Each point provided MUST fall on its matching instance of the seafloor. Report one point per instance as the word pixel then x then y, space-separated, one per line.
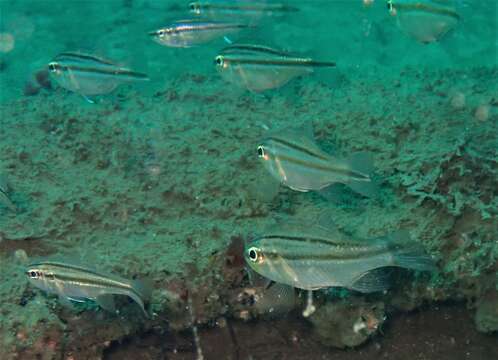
pixel 163 181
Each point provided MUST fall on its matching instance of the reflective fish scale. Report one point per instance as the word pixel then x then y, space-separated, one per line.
pixel 314 257
pixel 78 283
pixel 89 75
pixel 293 158
pixel 259 68
pixel 188 33
pixel 425 20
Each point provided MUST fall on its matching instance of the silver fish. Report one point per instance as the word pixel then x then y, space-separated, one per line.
pixel 259 68
pixel 79 283
pixel 188 33
pixel 240 8
pixel 89 75
pixel 425 20
pixel 293 158
pixel 314 257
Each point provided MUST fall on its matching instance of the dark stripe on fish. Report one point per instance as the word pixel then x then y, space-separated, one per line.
pixel 100 282
pixel 297 147
pixel 297 62
pixel 113 72
pixel 180 27
pixel 303 239
pixel 83 57
pixel 275 255
pixel 253 48
pixel 428 8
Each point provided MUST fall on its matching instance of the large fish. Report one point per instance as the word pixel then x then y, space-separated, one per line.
pixel 188 33
pixel 314 257
pixel 89 75
pixel 259 68
pixel 293 158
pixel 425 20
pixel 74 282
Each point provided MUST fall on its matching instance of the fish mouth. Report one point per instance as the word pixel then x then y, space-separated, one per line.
pixel 153 33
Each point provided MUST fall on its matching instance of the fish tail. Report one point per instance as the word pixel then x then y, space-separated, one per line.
pixel 362 163
pixel 144 287
pixel 409 254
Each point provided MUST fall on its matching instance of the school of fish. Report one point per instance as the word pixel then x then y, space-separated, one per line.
pixel 301 255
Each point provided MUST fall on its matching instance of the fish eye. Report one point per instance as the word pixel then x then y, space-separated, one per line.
pixel 261 152
pixel 253 254
pixel 161 33
pixel 52 67
pixel 219 60
pixel 33 274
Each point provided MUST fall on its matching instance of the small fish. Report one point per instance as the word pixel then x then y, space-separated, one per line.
pixel 4 196
pixel 78 283
pixel 89 75
pixel 240 8
pixel 295 160
pixel 314 257
pixel 425 20
pixel 259 68
pixel 188 33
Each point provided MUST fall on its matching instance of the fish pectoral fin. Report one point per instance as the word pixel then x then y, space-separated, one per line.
pixel 66 302
pixel 373 280
pixel 106 302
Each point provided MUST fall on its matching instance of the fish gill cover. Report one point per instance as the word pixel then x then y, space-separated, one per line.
pixel 264 167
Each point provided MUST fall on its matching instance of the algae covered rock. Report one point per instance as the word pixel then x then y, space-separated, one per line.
pixel 347 323
pixel 486 317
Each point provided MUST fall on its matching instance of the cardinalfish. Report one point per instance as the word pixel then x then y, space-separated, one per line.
pixel 79 283
pixel 319 256
pixel 425 20
pixel 293 158
pixel 239 8
pixel 259 68
pixel 188 33
pixel 89 75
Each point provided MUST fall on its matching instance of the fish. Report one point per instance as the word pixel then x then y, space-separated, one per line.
pixel 426 21
pixel 293 158
pixel 315 256
pixel 240 8
pixel 78 283
pixel 188 33
pixel 89 75
pixel 259 68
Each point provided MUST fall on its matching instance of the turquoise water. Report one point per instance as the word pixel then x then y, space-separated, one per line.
pixel 161 180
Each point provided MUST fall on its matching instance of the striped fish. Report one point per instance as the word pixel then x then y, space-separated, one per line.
pixel 89 75
pixel 425 20
pixel 240 8
pixel 293 158
pixel 258 68
pixel 79 283
pixel 314 257
pixel 188 33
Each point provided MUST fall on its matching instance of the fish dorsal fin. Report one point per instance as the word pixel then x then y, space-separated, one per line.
pixel 301 137
pixel 310 229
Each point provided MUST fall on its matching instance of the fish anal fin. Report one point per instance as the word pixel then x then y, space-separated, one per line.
pixel 372 281
pixel 106 302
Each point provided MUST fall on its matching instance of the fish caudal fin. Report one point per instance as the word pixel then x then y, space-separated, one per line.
pixel 362 163
pixel 144 287
pixel 410 255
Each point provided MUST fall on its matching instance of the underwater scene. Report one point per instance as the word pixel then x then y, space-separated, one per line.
pixel 248 179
